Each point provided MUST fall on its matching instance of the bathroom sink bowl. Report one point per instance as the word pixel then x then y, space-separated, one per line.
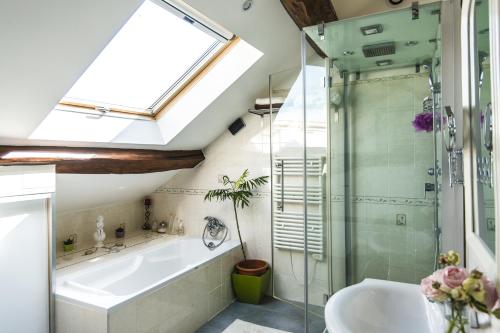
pixel 378 306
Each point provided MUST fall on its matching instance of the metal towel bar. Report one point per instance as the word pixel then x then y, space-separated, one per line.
pixel 289 223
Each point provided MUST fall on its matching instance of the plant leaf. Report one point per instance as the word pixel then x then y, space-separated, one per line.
pixel 218 194
pixel 240 190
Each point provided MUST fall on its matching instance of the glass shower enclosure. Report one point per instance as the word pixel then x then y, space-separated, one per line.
pixel 356 149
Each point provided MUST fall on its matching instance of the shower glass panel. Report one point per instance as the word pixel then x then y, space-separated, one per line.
pixel 287 151
pixel 383 145
pixel 316 183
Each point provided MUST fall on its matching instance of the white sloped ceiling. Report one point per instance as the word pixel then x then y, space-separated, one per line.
pixel 47 45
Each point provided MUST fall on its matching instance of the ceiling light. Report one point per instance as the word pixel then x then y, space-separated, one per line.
pixel 40 154
pixel 371 29
pixel 386 62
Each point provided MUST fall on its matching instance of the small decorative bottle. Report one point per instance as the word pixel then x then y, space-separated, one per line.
pixel 99 234
pixel 180 228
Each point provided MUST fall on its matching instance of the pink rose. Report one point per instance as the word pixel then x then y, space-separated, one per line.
pixel 491 295
pixel 454 276
pixel 428 287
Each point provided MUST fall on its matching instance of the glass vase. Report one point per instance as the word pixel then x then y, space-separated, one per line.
pixel 457 317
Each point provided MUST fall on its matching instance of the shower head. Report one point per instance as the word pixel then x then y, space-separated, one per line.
pixel 482 56
pixel 427 64
pixel 380 49
pixel 335 98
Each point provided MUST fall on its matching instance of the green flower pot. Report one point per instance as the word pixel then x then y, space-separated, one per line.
pixel 69 247
pixel 249 288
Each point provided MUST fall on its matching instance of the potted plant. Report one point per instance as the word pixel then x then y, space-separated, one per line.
pixel 251 276
pixel 69 243
pixel 120 231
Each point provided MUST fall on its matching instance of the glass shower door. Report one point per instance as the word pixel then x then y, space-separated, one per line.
pixel 287 152
pixel 383 147
pixel 316 182
pixel 300 183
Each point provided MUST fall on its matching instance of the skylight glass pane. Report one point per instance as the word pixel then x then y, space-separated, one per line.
pixel 152 51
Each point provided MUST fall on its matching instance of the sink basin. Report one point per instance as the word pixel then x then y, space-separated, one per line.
pixel 379 306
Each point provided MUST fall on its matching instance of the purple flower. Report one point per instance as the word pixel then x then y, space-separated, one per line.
pixel 423 122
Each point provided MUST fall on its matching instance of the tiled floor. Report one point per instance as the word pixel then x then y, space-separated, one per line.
pixel 271 313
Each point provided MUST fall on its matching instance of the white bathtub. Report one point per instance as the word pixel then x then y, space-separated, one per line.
pixel 108 281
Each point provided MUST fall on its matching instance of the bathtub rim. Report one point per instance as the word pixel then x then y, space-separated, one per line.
pixel 119 301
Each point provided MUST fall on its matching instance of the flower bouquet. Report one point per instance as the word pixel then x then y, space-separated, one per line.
pixel 460 290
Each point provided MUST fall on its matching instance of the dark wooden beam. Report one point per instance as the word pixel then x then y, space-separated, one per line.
pixel 104 160
pixel 310 12
pixel 306 13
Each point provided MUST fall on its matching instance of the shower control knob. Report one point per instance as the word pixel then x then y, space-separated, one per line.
pixel 430 171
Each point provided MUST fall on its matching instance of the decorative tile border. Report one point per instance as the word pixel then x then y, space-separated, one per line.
pixel 386 200
pixel 382 79
pixel 198 191
pixel 335 198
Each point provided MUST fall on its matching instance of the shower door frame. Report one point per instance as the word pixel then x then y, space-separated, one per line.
pixel 304 157
pixel 477 253
pixel 450 200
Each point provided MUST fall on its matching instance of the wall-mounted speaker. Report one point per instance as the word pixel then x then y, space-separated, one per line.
pixel 236 126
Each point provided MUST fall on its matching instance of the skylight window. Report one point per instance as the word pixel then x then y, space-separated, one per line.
pixel 151 58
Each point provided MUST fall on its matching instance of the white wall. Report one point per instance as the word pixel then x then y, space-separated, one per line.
pixel 81 192
pixel 228 155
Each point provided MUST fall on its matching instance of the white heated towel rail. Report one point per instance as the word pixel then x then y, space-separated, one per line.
pixel 288 211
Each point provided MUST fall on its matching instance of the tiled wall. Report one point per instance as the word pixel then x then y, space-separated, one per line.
pixel 181 306
pixel 82 223
pixel 228 155
pixel 389 171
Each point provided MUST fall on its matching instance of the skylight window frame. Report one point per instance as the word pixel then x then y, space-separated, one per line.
pixel 224 41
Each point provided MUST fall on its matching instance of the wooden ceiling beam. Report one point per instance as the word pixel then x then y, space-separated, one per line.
pixel 79 160
pixel 310 12
pixel 306 13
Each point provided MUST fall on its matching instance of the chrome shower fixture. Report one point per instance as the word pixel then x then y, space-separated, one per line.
pixel 428 104
pixel 427 64
pixel 482 58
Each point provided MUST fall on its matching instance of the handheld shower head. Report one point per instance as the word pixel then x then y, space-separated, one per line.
pixel 427 64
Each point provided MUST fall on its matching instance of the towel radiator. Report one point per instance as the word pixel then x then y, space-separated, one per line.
pixel 288 206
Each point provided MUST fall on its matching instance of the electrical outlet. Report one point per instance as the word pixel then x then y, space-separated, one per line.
pixel 400 219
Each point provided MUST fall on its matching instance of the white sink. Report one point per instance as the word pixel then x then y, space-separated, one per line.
pixel 378 306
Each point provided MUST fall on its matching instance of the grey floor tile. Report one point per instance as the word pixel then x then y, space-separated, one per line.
pixel 271 313
pixel 209 328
